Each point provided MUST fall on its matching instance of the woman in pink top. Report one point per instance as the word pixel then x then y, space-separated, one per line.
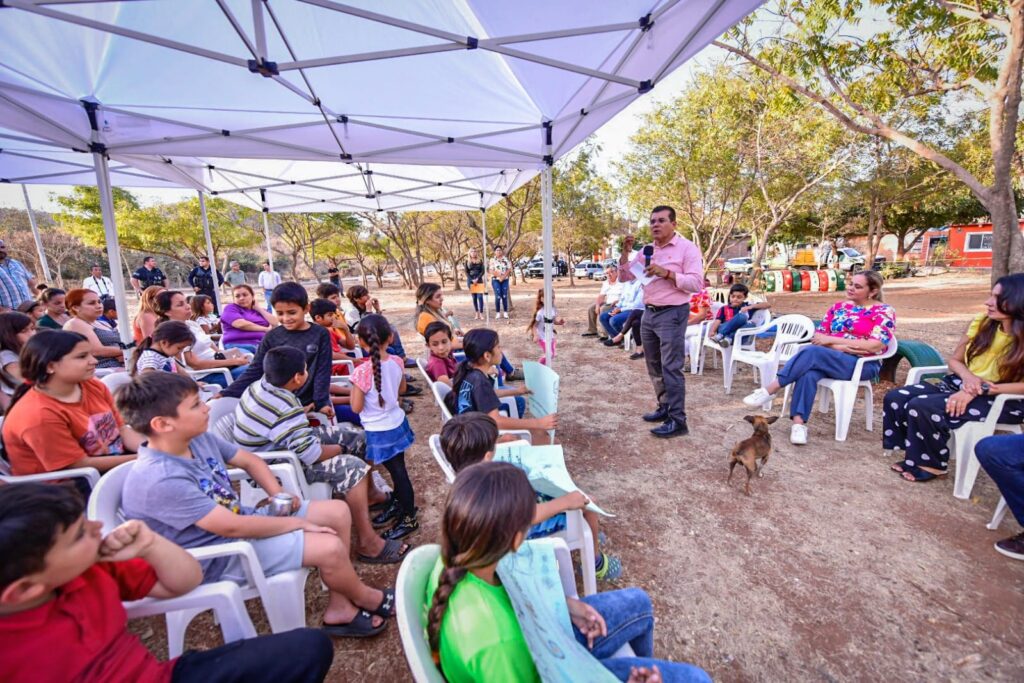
pixel 860 326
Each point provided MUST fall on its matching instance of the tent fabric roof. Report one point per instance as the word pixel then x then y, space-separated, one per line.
pixel 463 84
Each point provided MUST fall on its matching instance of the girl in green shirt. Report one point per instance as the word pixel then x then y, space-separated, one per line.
pixel 471 625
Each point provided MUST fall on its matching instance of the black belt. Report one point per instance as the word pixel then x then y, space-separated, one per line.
pixel 658 309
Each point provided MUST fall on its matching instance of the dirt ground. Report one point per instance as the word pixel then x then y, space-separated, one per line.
pixel 834 569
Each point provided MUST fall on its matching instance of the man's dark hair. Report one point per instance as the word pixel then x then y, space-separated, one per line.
pixel 738 287
pixel 290 293
pixel 148 259
pixel 435 327
pixel 326 289
pixel 663 207
pixel 153 394
pixel 282 363
pixel 31 516
pixel 466 439
pixel 321 307
pixel 204 258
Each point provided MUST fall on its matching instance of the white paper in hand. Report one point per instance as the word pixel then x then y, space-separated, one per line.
pixel 637 269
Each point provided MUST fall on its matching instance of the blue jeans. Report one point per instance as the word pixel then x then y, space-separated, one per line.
pixel 396 347
pixel 818 362
pixel 218 378
pixel 500 294
pixel 248 348
pixel 612 324
pixel 629 616
pixel 267 293
pixel 478 299
pixel 729 327
pixel 1003 458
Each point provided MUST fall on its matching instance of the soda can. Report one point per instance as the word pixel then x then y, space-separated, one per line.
pixel 281 505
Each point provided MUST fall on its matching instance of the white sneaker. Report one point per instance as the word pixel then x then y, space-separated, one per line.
pixel 759 399
pixel 798 435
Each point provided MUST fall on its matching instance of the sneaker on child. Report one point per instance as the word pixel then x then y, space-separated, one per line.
pixel 1012 547
pixel 798 435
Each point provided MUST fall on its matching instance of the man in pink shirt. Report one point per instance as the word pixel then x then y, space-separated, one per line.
pixel 677 269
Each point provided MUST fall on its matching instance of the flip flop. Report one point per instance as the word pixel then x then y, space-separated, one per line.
pixel 392 553
pixel 898 466
pixel 360 627
pixel 383 505
pixel 919 476
pixel 387 605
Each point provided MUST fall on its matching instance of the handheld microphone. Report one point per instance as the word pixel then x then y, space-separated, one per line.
pixel 648 253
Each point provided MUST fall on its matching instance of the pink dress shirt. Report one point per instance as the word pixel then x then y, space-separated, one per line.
pixel 682 258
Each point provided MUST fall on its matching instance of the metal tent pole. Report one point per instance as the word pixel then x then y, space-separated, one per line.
pixel 483 235
pixel 209 246
pixel 36 236
pixel 266 229
pixel 113 248
pixel 545 211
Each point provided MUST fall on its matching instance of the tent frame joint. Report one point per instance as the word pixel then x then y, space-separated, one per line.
pixel 646 23
pixel 471 42
pixel 264 67
pixel 645 87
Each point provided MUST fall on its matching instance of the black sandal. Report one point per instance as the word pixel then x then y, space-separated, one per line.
pixel 360 627
pixel 919 476
pixel 383 505
pixel 386 609
pixel 392 553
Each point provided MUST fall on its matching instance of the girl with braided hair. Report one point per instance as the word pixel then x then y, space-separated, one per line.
pixel 471 625
pixel 375 390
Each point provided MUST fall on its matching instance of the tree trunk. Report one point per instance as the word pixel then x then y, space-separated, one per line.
pixel 1007 242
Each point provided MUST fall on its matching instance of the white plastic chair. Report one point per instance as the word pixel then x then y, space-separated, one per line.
pixel 577 533
pixel 695 336
pixel 964 438
pixel 411 600
pixel 282 595
pixel 744 339
pixel 116 380
pixel 845 393
pixel 440 390
pixel 422 366
pixel 791 333
pixel 90 474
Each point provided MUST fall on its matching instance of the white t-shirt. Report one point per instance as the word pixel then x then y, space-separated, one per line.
pixel 204 348
pixel 374 417
pixel 611 291
pixel 269 280
pixel 101 285
pixel 6 358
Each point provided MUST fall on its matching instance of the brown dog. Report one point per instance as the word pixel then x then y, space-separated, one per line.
pixel 752 449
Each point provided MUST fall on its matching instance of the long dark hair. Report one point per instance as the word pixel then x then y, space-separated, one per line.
pixel 374 331
pixel 488 504
pixel 170 331
pixel 475 344
pixel 198 304
pixel 357 292
pixel 163 302
pixel 538 305
pixel 1010 301
pixel 45 347
pixel 12 324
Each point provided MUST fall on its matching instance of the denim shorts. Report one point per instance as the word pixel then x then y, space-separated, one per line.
pixel 277 554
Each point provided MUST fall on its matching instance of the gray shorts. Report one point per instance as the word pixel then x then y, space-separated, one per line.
pixel 277 554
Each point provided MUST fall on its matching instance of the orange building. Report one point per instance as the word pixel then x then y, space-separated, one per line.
pixel 967 246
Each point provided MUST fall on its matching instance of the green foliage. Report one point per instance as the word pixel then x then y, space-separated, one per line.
pixel 582 200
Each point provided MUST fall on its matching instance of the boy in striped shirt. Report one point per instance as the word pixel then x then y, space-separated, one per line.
pixel 270 417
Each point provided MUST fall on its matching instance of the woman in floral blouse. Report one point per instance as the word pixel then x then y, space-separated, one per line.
pixel 860 326
pixel 500 268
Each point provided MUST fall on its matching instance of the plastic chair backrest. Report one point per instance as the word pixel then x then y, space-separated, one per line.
pixel 441 390
pixel 219 407
pixel 439 456
pixel 116 380
pixel 762 316
pixel 105 499
pixel 423 370
pixel 790 332
pixel 411 594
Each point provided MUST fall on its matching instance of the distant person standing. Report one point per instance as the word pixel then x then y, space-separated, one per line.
pixel 268 280
pixel 475 277
pixel 334 277
pixel 148 276
pixel 677 269
pixel 501 269
pixel 205 280
pixel 235 276
pixel 97 283
pixel 16 284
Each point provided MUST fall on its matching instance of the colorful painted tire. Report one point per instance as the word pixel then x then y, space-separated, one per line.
pixel 798 280
pixel 823 283
pixel 832 281
pixel 769 282
pixel 813 277
pixel 787 280
pixel 840 281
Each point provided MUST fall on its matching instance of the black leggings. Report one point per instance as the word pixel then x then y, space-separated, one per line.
pixel 303 656
pixel 404 495
pixel 632 324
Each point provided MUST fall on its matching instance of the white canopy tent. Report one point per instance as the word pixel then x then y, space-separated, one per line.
pixel 451 83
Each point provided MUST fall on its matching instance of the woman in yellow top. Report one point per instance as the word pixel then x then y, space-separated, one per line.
pixel 429 302
pixel 989 360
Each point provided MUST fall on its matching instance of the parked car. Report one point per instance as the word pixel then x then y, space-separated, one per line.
pixel 846 258
pixel 534 268
pixel 741 264
pixel 588 269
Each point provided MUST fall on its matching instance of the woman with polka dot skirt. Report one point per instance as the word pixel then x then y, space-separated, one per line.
pixel 989 360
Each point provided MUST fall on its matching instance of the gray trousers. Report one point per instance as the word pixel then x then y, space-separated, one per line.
pixel 592 319
pixel 663 334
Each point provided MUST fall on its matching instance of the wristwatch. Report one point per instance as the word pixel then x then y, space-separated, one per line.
pixel 985 388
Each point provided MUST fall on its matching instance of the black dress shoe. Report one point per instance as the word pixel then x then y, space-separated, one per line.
pixel 609 342
pixel 659 415
pixel 636 356
pixel 671 428
pixel 589 334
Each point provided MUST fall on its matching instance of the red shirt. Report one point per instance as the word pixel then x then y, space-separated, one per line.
pixel 80 634
pixel 441 367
